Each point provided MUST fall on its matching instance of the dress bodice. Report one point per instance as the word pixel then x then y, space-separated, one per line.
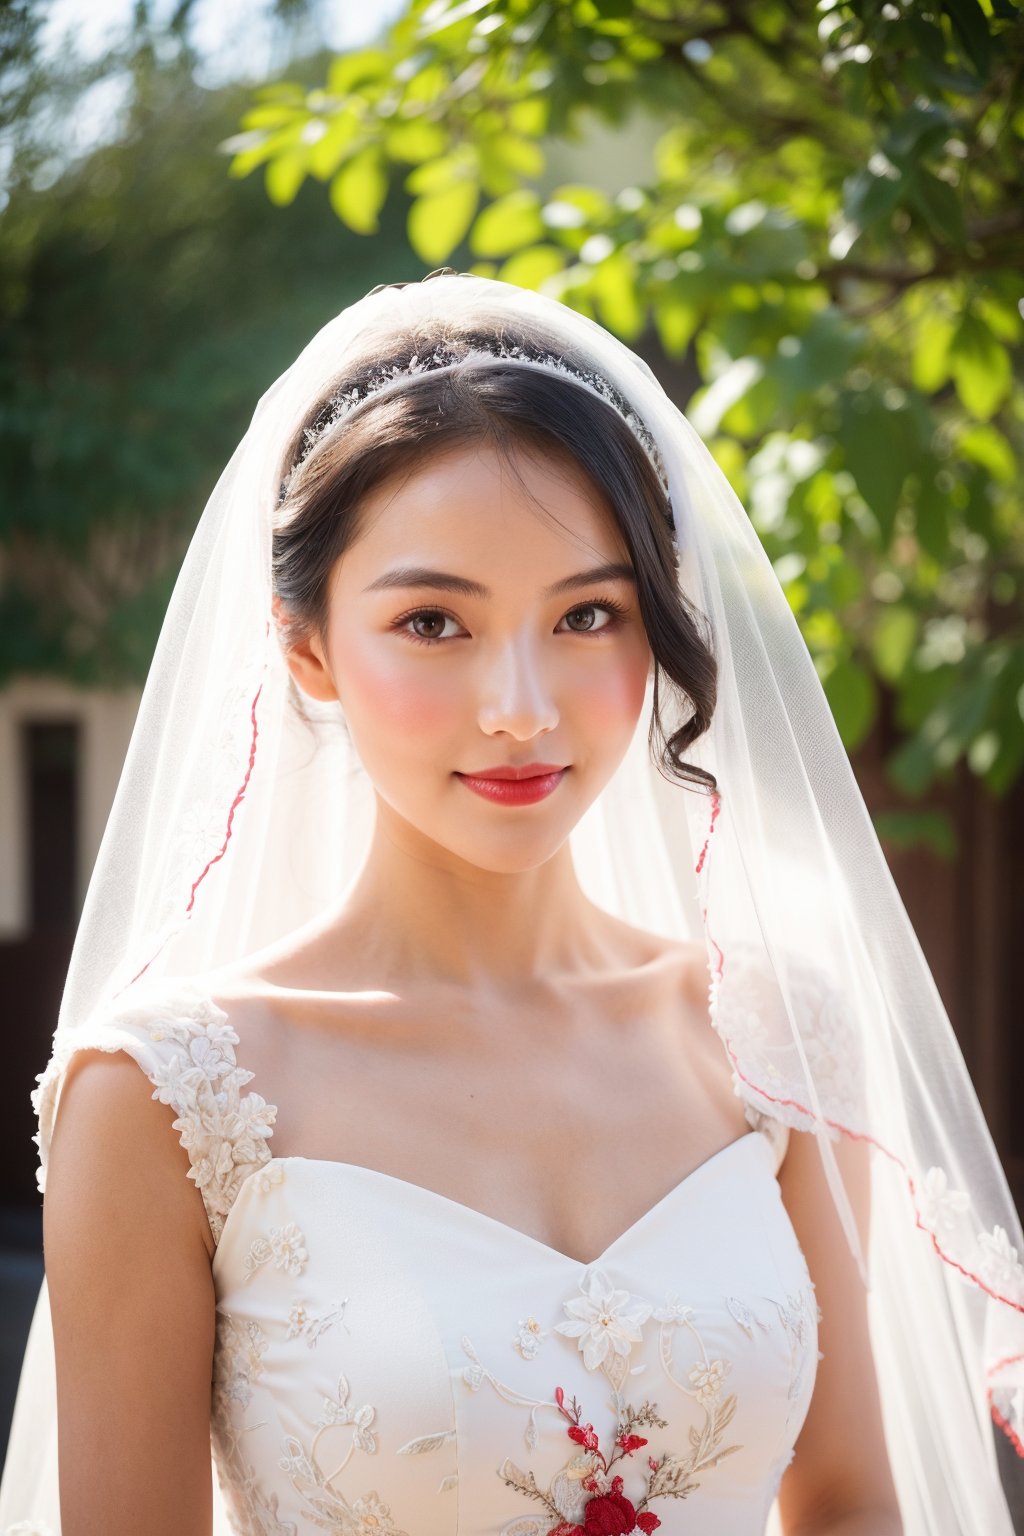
pixel 390 1361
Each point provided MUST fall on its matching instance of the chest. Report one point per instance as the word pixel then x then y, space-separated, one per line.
pixel 516 1119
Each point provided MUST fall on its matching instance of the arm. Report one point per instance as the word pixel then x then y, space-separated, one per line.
pixel 839 1482
pixel 127 1249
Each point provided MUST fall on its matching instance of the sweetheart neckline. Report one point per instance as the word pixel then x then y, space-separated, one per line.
pixel 470 1213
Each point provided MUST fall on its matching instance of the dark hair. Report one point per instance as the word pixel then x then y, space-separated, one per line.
pixel 327 473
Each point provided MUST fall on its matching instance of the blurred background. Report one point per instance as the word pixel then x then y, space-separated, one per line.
pixel 809 219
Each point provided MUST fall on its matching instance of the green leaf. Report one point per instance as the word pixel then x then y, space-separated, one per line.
pixel 530 116
pixel 880 450
pixel 327 153
pixel 930 362
pixel 524 157
pixel 352 69
pixel 870 196
pixel 932 513
pixel 533 268
pixel 893 641
pixel 939 205
pixel 507 225
pixel 850 690
pixel 358 191
pixel 676 321
pixel 989 448
pixel 416 141
pixel 440 221
pixel 284 176
pixel 614 288
pixel 246 160
pixel 440 175
pixel 592 205
pixel 971 28
pixel 980 366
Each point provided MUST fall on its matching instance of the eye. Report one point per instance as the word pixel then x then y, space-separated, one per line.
pixel 615 611
pixel 432 618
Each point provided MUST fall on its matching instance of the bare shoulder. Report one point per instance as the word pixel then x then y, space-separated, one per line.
pixel 111 1134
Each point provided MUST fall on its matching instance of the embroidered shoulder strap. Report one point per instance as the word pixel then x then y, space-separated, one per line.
pixel 185 1045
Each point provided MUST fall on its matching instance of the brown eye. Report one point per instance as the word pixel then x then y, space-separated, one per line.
pixel 614 614
pixel 438 620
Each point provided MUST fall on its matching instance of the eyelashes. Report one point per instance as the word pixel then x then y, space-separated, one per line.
pixel 617 611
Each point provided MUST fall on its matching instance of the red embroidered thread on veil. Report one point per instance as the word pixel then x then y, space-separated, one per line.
pixel 1016 1306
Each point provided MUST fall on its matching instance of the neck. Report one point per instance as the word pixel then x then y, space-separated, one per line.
pixel 420 912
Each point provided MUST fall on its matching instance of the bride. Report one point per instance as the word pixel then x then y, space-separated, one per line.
pixel 547 1123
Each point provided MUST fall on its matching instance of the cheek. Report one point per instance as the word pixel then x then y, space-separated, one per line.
pixel 384 691
pixel 612 696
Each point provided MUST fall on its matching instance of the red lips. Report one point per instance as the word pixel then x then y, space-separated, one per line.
pixel 515 786
pixel 527 771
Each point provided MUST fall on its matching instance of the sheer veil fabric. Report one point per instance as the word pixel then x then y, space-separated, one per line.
pixel 235 821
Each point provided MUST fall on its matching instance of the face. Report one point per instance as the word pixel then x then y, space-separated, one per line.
pixel 467 631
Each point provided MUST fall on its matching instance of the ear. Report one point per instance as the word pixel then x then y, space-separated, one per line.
pixel 304 656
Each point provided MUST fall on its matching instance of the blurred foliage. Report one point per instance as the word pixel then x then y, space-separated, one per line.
pixel 145 304
pixel 827 237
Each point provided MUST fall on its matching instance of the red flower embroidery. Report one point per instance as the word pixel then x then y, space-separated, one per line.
pixel 609 1512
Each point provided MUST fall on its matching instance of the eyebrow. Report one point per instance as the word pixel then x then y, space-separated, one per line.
pixel 423 576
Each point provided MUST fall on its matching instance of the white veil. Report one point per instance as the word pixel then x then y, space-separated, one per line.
pixel 236 821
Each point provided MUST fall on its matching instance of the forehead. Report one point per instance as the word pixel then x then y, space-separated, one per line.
pixel 476 499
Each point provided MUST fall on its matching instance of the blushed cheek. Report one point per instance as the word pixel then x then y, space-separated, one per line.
pixel 611 698
pixel 392 697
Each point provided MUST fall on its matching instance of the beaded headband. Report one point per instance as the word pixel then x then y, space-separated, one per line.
pixel 447 356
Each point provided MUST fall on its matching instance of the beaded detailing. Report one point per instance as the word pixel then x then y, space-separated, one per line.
pixel 448 356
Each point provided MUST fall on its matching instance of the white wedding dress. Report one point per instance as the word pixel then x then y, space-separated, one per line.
pixel 390 1361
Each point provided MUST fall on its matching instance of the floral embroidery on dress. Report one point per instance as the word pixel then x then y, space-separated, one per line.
pixel 795 1315
pixel 747 1319
pixel 266 1177
pixel 605 1322
pixel 302 1324
pixel 529 1337
pixel 237 1365
pixel 586 1495
pixel 326 1507
pixel 284 1245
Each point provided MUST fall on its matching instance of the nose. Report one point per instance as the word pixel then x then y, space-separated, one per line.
pixel 516 696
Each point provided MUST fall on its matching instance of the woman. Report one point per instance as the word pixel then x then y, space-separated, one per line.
pixel 475 684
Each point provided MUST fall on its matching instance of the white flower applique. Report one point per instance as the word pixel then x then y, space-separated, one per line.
pixel 529 1337
pixel 224 1130
pixel 266 1177
pixel 285 1246
pixel 606 1322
